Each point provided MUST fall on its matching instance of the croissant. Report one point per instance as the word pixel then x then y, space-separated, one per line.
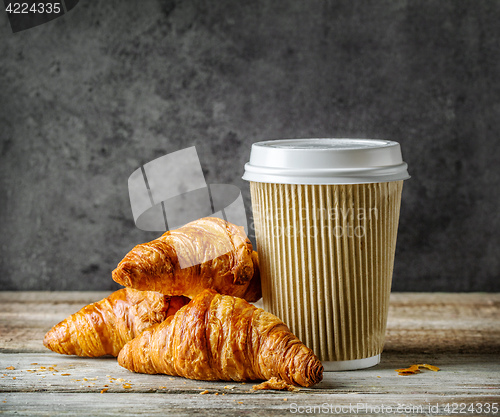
pixel 220 337
pixel 102 328
pixel 206 253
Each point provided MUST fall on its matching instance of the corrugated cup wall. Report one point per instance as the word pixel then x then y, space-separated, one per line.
pixel 327 256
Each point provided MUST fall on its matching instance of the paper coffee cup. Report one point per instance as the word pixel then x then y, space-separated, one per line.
pixel 326 214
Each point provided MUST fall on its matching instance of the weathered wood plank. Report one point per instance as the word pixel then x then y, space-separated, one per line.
pixel 25 317
pixel 460 333
pixel 433 322
pixel 443 322
pixel 462 374
pixel 262 404
pixel 75 384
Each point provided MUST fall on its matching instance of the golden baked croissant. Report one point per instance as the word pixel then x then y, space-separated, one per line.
pixel 102 328
pixel 206 253
pixel 219 337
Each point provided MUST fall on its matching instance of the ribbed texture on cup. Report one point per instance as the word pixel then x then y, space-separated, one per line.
pixel 326 257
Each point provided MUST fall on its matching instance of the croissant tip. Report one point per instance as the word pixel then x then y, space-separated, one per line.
pixel 120 276
pixel 125 357
pixel 314 372
pixel 120 357
pixel 46 341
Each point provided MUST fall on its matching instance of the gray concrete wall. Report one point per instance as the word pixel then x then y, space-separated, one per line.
pixel 91 96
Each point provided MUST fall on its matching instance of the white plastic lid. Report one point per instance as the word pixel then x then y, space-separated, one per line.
pixel 325 161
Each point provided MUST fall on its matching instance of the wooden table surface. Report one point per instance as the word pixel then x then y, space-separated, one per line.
pixel 460 333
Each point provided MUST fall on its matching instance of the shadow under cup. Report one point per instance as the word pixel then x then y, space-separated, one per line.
pixel 326 214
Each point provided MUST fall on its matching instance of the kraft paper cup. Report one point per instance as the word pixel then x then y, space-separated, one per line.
pixel 326 214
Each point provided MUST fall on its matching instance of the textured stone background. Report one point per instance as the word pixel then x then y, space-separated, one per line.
pixel 89 97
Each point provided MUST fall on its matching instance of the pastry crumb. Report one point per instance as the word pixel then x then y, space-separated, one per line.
pixel 275 383
pixel 204 392
pixel 415 369
pixel 65 374
pixel 10 368
pixel 127 386
pixel 430 367
pixel 104 390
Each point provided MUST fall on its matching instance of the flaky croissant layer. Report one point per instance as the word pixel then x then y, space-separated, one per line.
pixel 103 328
pixel 220 337
pixel 206 253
